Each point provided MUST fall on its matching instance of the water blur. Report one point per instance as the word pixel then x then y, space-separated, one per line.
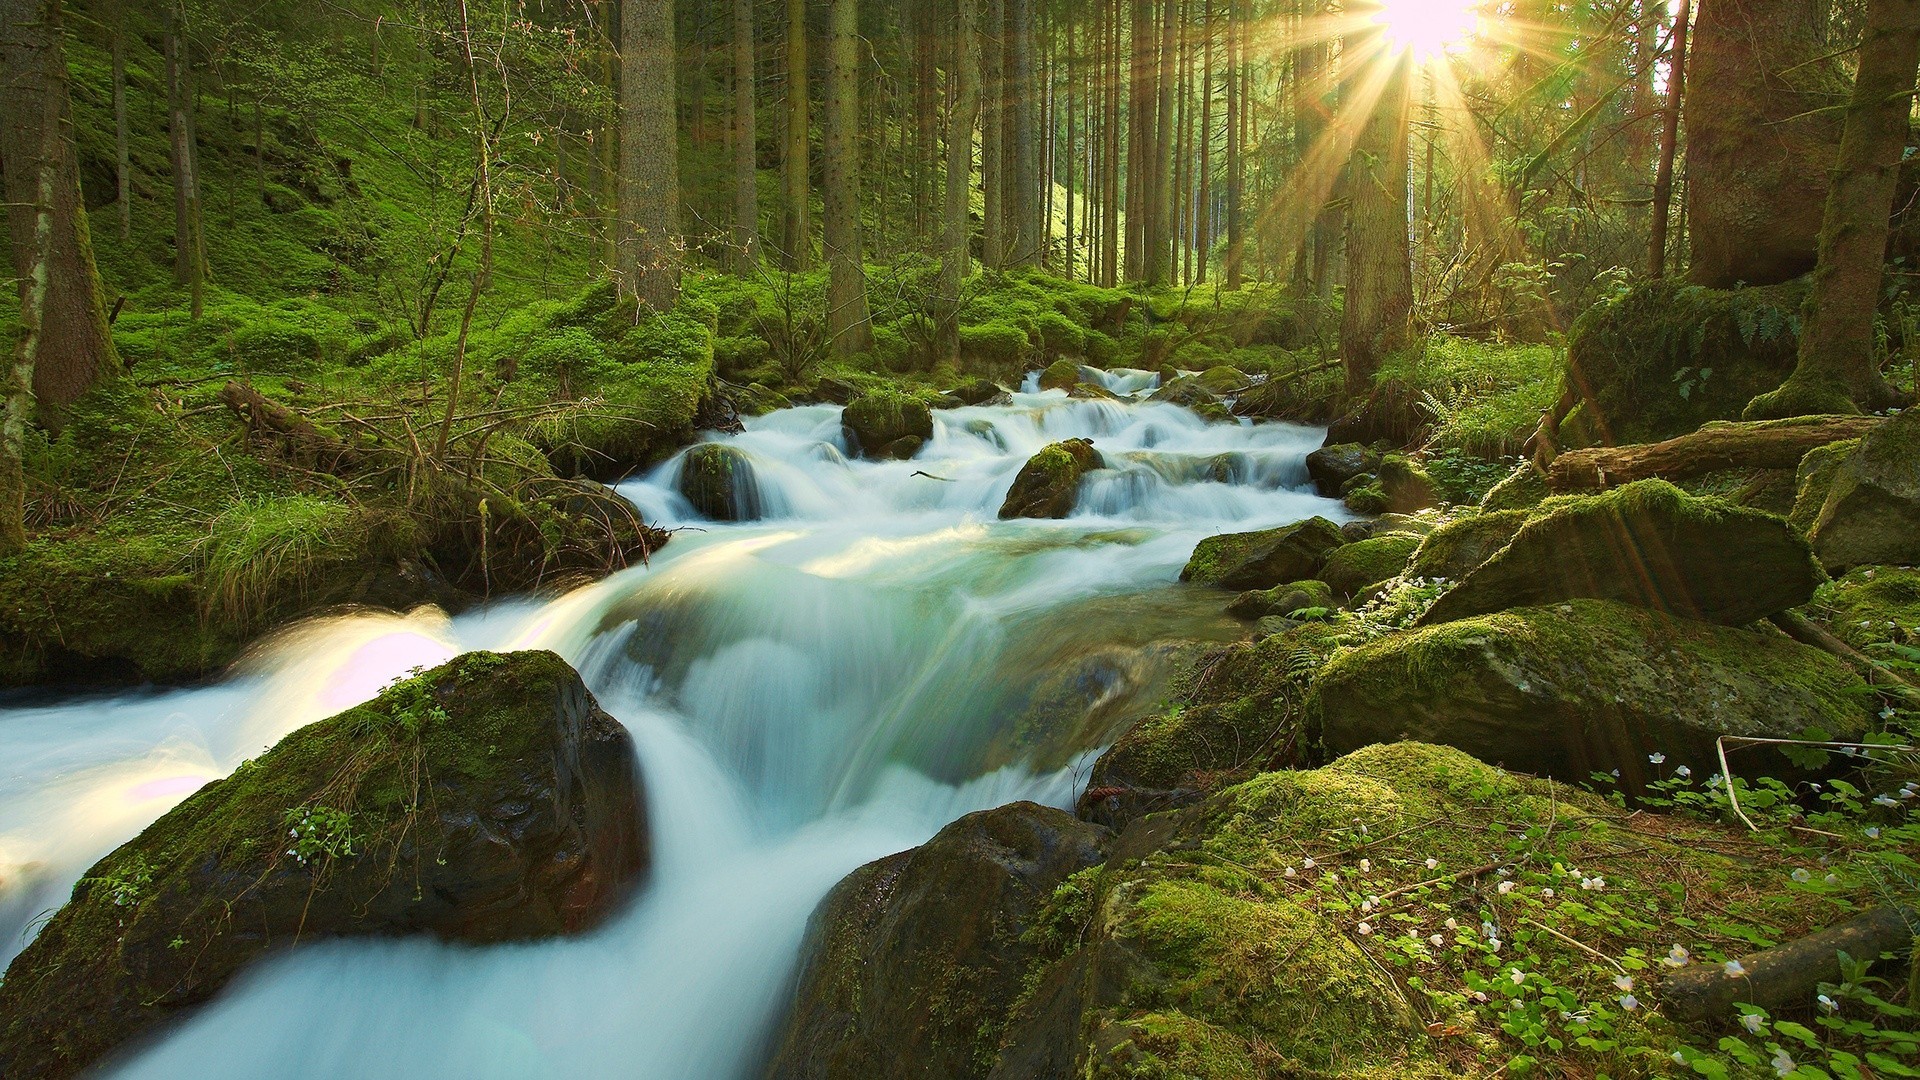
pixel 873 657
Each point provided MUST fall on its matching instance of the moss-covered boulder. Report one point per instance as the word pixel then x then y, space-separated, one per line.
pixel 1871 513
pixel 1813 480
pixel 980 392
pixel 1223 380
pixel 1282 600
pixel 1405 483
pixel 1261 560
pixel 1647 543
pixel 718 480
pixel 1872 606
pixel 1189 392
pixel 1048 485
pixel 883 424
pixel 1523 489
pixel 912 964
pixel 1587 686
pixel 1356 566
pixel 1666 357
pixel 487 800
pixel 1332 466
pixel 1060 375
pixel 1364 495
pixel 1454 549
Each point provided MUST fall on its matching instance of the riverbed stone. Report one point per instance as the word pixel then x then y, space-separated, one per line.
pixel 1332 466
pixel 1263 559
pixel 487 800
pixel 718 480
pixel 1060 375
pixel 1282 600
pixel 886 424
pixel 1584 687
pixel 1354 567
pixel 1650 544
pixel 912 963
pixel 1048 485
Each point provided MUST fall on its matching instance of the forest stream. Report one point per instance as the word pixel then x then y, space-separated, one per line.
pixel 824 686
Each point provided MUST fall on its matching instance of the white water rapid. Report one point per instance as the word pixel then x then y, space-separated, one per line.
pixel 810 691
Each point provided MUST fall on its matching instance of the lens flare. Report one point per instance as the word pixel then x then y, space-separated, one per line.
pixel 1428 28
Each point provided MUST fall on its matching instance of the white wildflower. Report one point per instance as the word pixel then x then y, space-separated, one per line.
pixel 1734 969
pixel 1753 1022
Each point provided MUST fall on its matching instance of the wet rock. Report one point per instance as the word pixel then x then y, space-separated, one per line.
pixel 1188 392
pixel 1224 380
pixel 1049 483
pixel 835 391
pixel 1648 544
pixel 878 424
pixel 980 392
pixel 1281 600
pixel 1332 466
pixel 1060 375
pixel 912 963
pixel 1456 548
pixel 1587 686
pixel 1871 513
pixel 718 480
pixel 1261 560
pixel 1356 531
pixel 487 800
pixel 1356 566
pixel 1405 483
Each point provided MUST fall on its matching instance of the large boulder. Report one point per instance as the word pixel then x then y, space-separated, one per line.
pixel 1813 480
pixel 884 424
pixel 1650 544
pixel 1060 375
pixel 1261 560
pixel 1455 549
pixel 718 480
pixel 1049 483
pixel 487 800
pixel 912 963
pixel 1871 513
pixel 1587 686
pixel 1356 566
pixel 1332 466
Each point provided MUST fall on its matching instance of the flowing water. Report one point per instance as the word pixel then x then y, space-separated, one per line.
pixel 873 658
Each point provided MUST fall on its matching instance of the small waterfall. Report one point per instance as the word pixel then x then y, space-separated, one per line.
pixel 874 656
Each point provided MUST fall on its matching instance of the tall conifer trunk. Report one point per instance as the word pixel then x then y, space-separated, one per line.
pixel 849 324
pixel 796 236
pixel 649 233
pixel 746 190
pixel 1379 300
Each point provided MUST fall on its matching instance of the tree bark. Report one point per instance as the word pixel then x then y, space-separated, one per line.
pixel 1787 974
pixel 189 246
pixel 1760 139
pixel 1160 198
pixel 746 183
pixel 956 231
pixel 1379 301
pixel 993 139
pixel 1021 197
pixel 1669 144
pixel 1236 155
pixel 122 160
pixel 649 235
pixel 1837 369
pixel 52 251
pixel 796 234
pixel 849 324
pixel 1772 444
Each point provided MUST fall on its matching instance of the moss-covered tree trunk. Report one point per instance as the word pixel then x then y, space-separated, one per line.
pixel 1837 372
pixel 189 239
pixel 1379 303
pixel 52 251
pixel 1023 137
pixel 649 240
pixel 956 231
pixel 849 324
pixel 746 191
pixel 993 139
pixel 796 176
pixel 1758 143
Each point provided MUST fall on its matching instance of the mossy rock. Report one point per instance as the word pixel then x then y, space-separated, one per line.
pixel 1647 543
pixel 1367 498
pixel 718 480
pixel 1584 687
pixel 980 392
pixel 1872 606
pixel 1187 391
pixel 1223 379
pixel 1060 375
pixel 1356 566
pixel 1405 483
pixel 1871 515
pixel 1261 560
pixel 487 800
pixel 1282 600
pixel 912 964
pixel 1666 357
pixel 1331 467
pixel 1048 485
pixel 877 424
pixel 1813 480
pixel 1523 489
pixel 1456 548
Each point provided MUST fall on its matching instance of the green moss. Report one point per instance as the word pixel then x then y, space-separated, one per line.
pixel 1484 399
pixel 1872 607
pixel 1060 375
pixel 1368 498
pixel 995 343
pixel 1814 479
pixel 1455 548
pixel 1524 488
pixel 1265 558
pixel 1356 566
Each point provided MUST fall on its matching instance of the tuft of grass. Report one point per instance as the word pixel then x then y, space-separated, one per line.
pixel 260 549
pixel 1485 399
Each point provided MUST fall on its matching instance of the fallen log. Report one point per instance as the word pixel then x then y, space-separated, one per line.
pixel 295 437
pixel 1768 444
pixel 1788 974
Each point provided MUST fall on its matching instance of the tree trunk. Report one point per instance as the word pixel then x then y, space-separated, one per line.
pixel 1236 155
pixel 1379 301
pixel 1203 215
pixel 956 233
pixel 796 235
pixel 1669 143
pixel 65 347
pixel 1022 194
pixel 122 160
pixel 649 236
pixel 1760 138
pixel 993 140
pixel 1774 444
pixel 849 324
pixel 189 249
pixel 746 184
pixel 1837 369
pixel 1159 206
